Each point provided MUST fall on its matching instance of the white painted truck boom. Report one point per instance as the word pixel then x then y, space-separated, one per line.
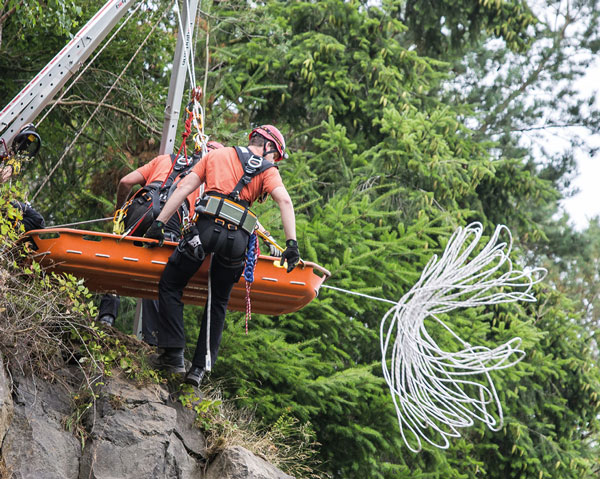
pixel 40 91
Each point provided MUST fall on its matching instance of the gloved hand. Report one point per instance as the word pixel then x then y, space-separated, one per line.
pixel 271 244
pixel 157 232
pixel 291 255
pixel 191 244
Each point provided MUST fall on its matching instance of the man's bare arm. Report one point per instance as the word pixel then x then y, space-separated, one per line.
pixel 125 185
pixel 286 207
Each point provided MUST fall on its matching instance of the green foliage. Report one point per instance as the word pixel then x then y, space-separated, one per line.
pixel 52 15
pixel 550 400
pixel 205 409
pixel 11 215
pixel 390 152
pixel 446 27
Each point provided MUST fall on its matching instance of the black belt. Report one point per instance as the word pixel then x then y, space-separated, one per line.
pixel 243 203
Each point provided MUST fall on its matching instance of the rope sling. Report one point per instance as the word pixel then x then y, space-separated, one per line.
pixel 251 256
pixel 436 392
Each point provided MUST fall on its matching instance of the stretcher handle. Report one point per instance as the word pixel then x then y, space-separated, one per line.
pixel 277 263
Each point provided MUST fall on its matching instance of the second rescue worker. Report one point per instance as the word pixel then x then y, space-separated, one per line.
pixel 234 178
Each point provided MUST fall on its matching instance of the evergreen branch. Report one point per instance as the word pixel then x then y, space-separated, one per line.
pixel 555 125
pixel 533 77
pixel 516 93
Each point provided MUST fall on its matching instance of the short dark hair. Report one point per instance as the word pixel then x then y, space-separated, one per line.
pixel 257 140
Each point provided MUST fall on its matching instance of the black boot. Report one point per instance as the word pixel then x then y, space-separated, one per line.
pixel 170 361
pixel 194 376
pixel 107 319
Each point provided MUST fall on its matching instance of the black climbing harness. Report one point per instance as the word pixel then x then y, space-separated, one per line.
pixel 145 205
pixel 228 208
pixel 253 165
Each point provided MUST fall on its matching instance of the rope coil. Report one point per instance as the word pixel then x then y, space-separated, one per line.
pixel 437 392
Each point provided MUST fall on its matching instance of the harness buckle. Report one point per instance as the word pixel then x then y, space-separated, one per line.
pixel 227 211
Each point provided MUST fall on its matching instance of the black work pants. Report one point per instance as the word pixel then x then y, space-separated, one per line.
pixel 32 219
pixel 109 303
pixel 225 270
pixel 150 321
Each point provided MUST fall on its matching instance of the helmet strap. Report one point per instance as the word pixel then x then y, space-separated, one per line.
pixel 265 152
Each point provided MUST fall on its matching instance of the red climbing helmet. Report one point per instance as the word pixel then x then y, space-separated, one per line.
pixel 273 134
pixel 214 145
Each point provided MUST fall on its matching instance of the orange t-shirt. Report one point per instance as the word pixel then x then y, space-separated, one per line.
pixel 221 170
pixel 156 170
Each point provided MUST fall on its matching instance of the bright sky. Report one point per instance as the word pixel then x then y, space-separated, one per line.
pixel 586 204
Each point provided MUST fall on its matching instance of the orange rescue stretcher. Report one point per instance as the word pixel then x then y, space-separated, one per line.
pixel 111 264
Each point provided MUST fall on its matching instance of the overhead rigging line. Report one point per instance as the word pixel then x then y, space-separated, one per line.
pixel 206 53
pixel 83 222
pixel 341 290
pixel 68 148
pixel 189 51
pixel 196 111
pixel 108 42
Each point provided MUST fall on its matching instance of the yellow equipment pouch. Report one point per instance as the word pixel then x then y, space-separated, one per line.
pixel 12 162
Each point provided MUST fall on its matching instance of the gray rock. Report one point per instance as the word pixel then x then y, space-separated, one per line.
pixel 194 442
pixel 179 463
pixel 106 460
pixel 6 402
pixel 135 435
pixel 36 445
pixel 239 463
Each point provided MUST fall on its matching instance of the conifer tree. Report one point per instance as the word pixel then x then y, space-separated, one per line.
pixel 385 163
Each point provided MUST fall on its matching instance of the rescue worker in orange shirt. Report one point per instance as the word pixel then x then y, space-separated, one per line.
pixel 234 178
pixel 158 179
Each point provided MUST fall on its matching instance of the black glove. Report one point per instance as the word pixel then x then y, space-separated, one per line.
pixel 191 245
pixel 291 254
pixel 157 232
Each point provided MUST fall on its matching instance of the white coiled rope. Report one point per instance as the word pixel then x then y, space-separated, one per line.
pixel 437 392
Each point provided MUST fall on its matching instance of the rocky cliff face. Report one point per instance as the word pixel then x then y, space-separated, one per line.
pixel 133 433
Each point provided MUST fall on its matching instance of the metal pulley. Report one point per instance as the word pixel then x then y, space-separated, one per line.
pixel 196 93
pixel 27 141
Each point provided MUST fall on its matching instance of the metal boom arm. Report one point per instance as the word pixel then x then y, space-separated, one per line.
pixel 180 64
pixel 32 99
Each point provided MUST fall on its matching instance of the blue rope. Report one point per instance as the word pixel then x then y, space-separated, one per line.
pixel 251 255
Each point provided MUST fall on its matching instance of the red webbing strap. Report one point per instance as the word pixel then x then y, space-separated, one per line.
pixel 185 134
